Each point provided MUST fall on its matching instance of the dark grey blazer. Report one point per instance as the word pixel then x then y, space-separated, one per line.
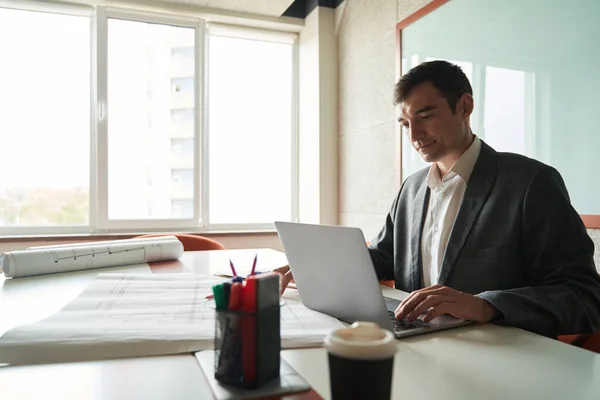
pixel 517 242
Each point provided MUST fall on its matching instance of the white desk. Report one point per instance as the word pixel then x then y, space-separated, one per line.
pixel 477 362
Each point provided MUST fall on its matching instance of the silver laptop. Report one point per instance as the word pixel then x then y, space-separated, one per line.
pixel 334 275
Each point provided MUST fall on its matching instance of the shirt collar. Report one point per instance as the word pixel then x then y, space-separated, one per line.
pixel 463 167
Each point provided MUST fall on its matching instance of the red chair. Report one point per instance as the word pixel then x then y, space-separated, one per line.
pixel 590 341
pixel 191 242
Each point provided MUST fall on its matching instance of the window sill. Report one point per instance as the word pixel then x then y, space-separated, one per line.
pixel 128 235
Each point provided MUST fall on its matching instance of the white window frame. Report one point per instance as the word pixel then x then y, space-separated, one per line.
pixel 100 59
pixel 218 29
pixel 63 9
pixel 98 192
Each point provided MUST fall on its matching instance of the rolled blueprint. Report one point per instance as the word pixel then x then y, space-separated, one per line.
pixel 80 256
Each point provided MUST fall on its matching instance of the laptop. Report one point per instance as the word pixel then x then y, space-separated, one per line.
pixel 334 275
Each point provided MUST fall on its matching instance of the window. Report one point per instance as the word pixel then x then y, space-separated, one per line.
pixel 504 113
pixel 250 128
pixel 44 119
pixel 127 120
pixel 146 105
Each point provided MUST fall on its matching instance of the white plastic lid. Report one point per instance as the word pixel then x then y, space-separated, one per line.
pixel 363 340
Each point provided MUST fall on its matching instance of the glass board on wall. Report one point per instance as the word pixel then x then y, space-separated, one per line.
pixel 535 70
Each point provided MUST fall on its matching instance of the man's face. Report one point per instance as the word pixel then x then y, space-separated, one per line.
pixel 428 122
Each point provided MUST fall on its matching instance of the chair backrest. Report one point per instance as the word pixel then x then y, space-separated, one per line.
pixel 592 343
pixel 191 242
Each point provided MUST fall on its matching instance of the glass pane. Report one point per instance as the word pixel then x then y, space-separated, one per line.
pixel 44 119
pixel 467 67
pixel 250 122
pixel 538 96
pixel 504 114
pixel 151 108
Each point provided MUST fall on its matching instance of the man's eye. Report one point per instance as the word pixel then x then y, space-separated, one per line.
pixel 427 116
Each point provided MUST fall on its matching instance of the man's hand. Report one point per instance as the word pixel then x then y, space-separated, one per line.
pixel 437 300
pixel 286 276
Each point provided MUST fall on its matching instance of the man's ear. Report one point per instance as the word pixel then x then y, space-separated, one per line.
pixel 465 105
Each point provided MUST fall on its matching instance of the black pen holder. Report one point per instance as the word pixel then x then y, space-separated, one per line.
pixel 247 347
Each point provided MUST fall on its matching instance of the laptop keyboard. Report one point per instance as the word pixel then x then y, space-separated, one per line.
pixel 403 324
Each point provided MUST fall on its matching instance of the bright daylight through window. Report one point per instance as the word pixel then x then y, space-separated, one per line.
pixel 250 130
pixel 171 145
pixel 151 95
pixel 44 119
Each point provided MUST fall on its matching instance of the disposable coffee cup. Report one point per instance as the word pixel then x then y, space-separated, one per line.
pixel 361 362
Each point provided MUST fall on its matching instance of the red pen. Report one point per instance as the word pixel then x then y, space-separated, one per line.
pixel 249 331
pixel 235 298
pixel 232 267
pixel 254 265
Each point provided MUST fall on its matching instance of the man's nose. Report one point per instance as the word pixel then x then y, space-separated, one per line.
pixel 416 132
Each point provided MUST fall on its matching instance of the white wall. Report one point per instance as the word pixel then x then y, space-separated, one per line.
pixel 369 143
pixel 595 235
pixel 318 128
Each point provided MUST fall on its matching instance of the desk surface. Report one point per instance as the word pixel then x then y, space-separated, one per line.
pixel 472 362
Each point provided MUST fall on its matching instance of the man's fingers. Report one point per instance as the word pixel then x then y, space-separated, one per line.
pixel 417 297
pixel 410 298
pixel 409 304
pixel 432 300
pixel 282 270
pixel 286 277
pixel 441 309
pixel 285 280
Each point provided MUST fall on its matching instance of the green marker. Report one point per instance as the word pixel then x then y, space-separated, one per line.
pixel 219 293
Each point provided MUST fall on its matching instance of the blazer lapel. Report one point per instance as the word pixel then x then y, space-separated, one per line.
pixel 481 182
pixel 418 219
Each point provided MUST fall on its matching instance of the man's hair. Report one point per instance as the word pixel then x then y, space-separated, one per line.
pixel 446 77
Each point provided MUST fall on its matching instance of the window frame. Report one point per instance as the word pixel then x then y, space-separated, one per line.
pixel 262 35
pixel 100 59
pixel 99 223
pixel 76 10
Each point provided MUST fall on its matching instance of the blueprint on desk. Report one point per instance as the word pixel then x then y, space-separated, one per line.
pixel 124 315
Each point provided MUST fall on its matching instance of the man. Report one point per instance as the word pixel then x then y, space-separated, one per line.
pixel 481 235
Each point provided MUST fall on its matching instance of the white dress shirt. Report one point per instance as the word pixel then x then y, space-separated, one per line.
pixel 446 195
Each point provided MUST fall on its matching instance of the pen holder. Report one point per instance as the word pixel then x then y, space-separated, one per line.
pixel 247 347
